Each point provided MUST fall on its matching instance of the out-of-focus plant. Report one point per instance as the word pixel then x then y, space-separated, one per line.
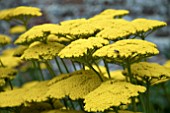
pixel 73 52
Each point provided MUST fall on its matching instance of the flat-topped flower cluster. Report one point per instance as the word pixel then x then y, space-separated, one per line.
pixel 105 38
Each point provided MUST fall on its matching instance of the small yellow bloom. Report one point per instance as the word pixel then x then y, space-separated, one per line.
pixel 4 40
pixel 40 51
pixel 144 25
pixel 127 50
pixel 17 29
pixel 17 12
pixel 76 86
pixel 36 33
pixel 110 94
pixel 80 47
pixel 152 72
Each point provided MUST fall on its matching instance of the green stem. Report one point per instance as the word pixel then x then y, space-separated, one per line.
pixel 72 105
pixel 98 74
pixel 73 65
pixel 165 92
pixel 107 68
pixel 147 96
pixel 35 70
pixel 81 105
pixel 1 63
pixel 64 65
pixel 10 84
pixel 41 73
pixel 65 102
pixel 142 102
pixel 58 65
pixel 50 69
pixel 116 110
pixel 131 81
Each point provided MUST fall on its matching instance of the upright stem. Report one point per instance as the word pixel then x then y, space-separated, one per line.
pixel 73 65
pixel 58 65
pixel 107 68
pixel 131 81
pixel 50 69
pixel 64 65
pixel 10 84
pixel 1 63
pixel 35 67
pixel 98 74
pixel 41 73
pixel 147 96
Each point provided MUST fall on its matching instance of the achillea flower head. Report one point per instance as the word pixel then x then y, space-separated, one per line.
pixel 144 25
pixel 110 14
pixel 17 29
pixel 5 14
pixel 82 29
pixel 20 11
pixel 116 75
pixel 12 98
pixel 118 30
pixel 36 93
pixel 127 50
pixel 40 51
pixel 36 33
pixel 2 82
pixel 8 73
pixel 59 39
pixel 4 40
pixel 73 23
pixel 80 47
pixel 167 64
pixel 110 94
pixel 152 72
pixel 75 86
pixel 19 50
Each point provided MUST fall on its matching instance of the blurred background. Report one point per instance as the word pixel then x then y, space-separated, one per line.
pixel 55 11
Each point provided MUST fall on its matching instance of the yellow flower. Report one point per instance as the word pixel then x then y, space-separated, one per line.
pixel 17 12
pixel 5 14
pixel 8 73
pixel 36 33
pixel 9 60
pixel 4 40
pixel 80 47
pixel 144 25
pixel 152 72
pixel 2 82
pixel 167 64
pixel 54 38
pixel 130 50
pixel 24 95
pixel 76 86
pixel 110 94
pixel 17 29
pixel 40 51
pixel 12 98
pixel 118 30
pixel 19 50
pixel 110 14
pixel 36 93
pixel 74 22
